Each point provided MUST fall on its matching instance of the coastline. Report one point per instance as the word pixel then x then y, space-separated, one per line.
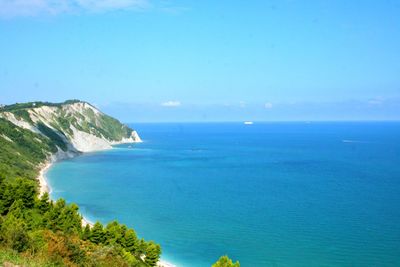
pixel 45 188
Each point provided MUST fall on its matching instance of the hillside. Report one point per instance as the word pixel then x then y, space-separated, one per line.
pixel 79 125
pixel 32 133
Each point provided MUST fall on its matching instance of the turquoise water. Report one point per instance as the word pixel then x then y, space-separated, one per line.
pixel 268 194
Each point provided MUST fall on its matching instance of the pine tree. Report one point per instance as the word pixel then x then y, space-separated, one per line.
pixel 2 191
pixel 17 209
pixel 7 197
pixel 113 233
pixel 71 220
pixel 141 247
pixel 26 190
pixel 86 232
pixel 14 234
pixel 153 252
pixel 131 241
pixel 225 261
pixel 54 217
pixel 97 234
pixel 43 204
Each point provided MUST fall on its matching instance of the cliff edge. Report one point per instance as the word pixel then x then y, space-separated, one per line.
pixel 75 126
pixel 37 133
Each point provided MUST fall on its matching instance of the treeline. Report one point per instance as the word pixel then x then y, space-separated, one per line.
pixel 52 232
pixel 18 106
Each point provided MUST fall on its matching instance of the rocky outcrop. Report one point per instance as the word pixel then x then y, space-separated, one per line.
pixel 77 126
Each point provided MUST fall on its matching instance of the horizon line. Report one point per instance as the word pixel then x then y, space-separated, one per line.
pixel 275 121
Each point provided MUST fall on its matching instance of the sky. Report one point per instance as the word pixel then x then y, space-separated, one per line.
pixel 161 61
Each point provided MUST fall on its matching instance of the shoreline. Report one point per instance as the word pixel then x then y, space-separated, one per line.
pixel 45 188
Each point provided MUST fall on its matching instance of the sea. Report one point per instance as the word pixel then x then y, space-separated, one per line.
pixel 266 194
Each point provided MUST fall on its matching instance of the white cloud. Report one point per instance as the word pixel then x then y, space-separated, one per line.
pixel 268 105
pixel 376 101
pixel 21 8
pixel 171 104
pixel 106 5
pixel 242 104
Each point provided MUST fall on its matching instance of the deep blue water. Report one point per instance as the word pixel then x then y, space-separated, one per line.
pixel 268 194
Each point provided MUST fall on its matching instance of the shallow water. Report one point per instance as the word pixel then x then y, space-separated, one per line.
pixel 268 194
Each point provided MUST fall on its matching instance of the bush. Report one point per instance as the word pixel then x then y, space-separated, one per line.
pixel 225 261
pixel 64 249
pixel 14 234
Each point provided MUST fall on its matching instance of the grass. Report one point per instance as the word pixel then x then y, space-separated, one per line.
pixel 21 156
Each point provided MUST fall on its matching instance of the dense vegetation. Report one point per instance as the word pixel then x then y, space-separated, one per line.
pixel 52 233
pixel 21 151
pixel 21 106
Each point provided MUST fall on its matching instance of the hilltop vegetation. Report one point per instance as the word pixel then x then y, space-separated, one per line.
pixel 36 104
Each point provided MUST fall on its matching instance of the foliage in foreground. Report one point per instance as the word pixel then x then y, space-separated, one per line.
pixel 225 261
pixel 51 233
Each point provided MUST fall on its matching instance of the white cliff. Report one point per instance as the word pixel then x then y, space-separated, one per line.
pixel 81 126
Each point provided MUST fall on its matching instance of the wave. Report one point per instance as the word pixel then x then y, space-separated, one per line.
pixel 354 141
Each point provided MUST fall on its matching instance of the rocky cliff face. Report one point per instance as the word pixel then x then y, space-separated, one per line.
pixel 74 126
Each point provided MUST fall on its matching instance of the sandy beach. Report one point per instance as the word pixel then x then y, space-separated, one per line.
pixel 45 188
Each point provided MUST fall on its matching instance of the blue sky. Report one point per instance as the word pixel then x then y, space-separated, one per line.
pixel 144 60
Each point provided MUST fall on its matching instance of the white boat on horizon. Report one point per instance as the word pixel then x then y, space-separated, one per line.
pixel 248 122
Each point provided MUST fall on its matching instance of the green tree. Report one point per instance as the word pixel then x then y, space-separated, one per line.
pixel 141 247
pixel 43 204
pixel 97 235
pixel 13 233
pixel 7 197
pixel 2 190
pixel 86 232
pixel 153 252
pixel 113 233
pixel 51 217
pixel 17 209
pixel 63 217
pixel 131 242
pixel 225 261
pixel 71 220
pixel 26 191
pixel 20 189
